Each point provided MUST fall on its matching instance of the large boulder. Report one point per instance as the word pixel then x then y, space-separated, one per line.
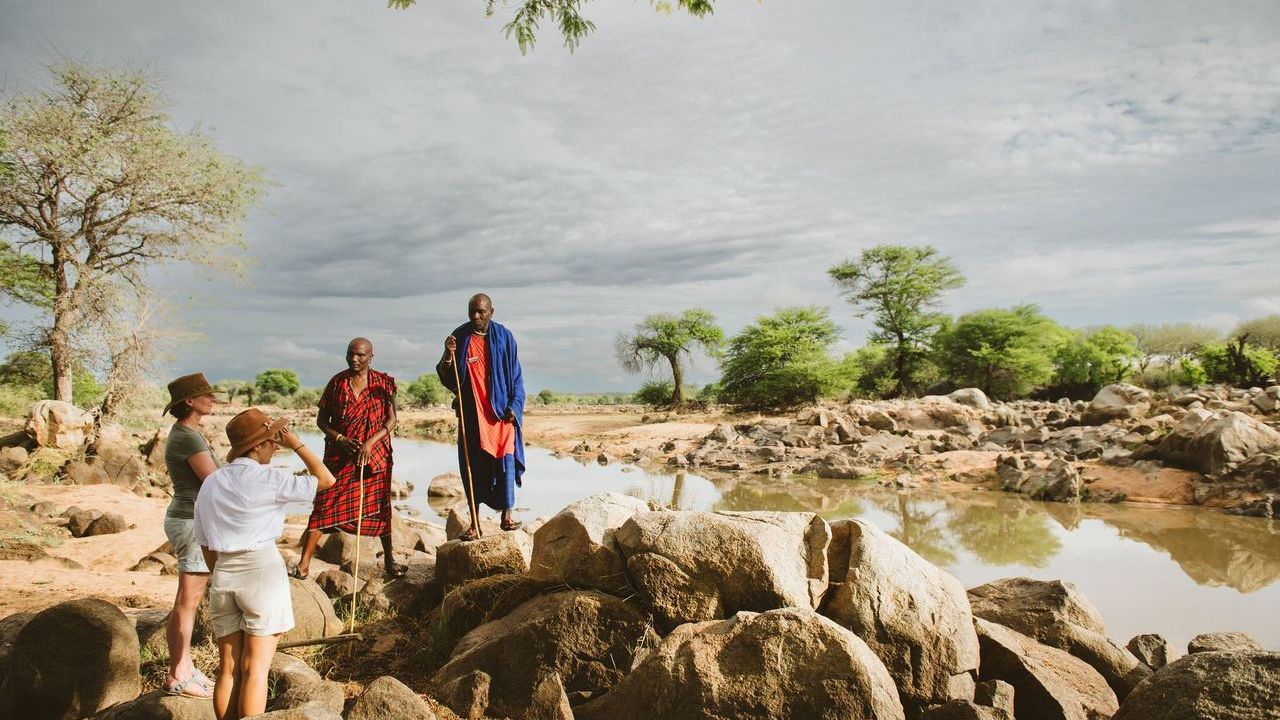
pixel 458 521
pixel 787 663
pixel 386 698
pixel 313 615
pixel 1057 614
pixel 695 566
pixel 71 660
pixel 1048 684
pixel 458 562
pixel 290 674
pixel 339 548
pixel 446 485
pixel 585 638
pixel 965 710
pixel 1209 686
pixel 973 397
pixel 914 616
pixel 54 423
pixel 158 705
pixel 576 546
pixel 1214 443
pixel 1222 642
pixel 486 599
pixel 1120 401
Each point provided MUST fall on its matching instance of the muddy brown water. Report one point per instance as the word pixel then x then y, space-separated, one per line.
pixel 1176 571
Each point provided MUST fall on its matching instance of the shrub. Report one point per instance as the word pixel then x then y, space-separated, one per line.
pixel 781 360
pixel 1239 364
pixel 277 380
pixel 426 391
pixel 655 392
pixel 1004 353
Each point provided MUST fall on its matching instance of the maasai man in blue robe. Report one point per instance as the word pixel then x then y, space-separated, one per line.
pixel 491 404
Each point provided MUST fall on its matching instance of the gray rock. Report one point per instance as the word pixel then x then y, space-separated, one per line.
pixel 78 523
pixel 324 695
pixel 107 524
pixel 914 616
pixel 1222 641
pixel 336 583
pixel 576 546
pixel 71 660
pixel 694 566
pixel 291 674
pixel 1048 683
pixel 458 521
pixel 586 637
pixel 313 615
pixel 386 698
pixel 997 694
pixel 458 562
pixel 1215 443
pixel 973 397
pixel 1152 650
pixel 1057 614
pixel 480 601
pixel 1240 685
pixel 1120 401
pixel 965 710
pixel 157 705
pixel 782 664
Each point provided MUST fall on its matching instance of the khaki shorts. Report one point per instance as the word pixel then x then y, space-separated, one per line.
pixel 182 536
pixel 249 591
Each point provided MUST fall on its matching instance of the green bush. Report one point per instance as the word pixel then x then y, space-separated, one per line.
pixel 1092 359
pixel 1005 353
pixel 303 399
pixel 868 372
pixel 277 380
pixel 16 400
pixel 546 397
pixel 781 360
pixel 268 397
pixel 426 391
pixel 1240 364
pixel 655 392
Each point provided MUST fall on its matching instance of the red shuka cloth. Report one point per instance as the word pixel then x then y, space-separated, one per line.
pixel 359 418
pixel 496 437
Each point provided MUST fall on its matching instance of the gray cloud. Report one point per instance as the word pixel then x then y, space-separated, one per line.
pixel 1113 162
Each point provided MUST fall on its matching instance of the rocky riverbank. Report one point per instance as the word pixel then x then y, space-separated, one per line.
pixel 618 609
pixel 1217 447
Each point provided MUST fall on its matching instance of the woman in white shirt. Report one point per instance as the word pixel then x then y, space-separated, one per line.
pixel 239 514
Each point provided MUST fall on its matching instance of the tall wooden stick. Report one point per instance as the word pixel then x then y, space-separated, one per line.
pixel 462 437
pixel 359 518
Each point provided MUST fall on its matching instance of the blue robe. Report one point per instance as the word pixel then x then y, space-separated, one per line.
pixel 495 479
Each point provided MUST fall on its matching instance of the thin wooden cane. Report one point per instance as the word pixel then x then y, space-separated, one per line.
pixel 356 572
pixel 462 436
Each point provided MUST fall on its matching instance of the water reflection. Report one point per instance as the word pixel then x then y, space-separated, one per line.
pixel 1016 534
pixel 920 526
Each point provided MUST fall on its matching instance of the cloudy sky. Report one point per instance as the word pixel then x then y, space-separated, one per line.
pixel 1114 162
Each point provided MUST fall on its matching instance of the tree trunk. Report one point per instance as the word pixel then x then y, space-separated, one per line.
pixel 677 376
pixel 900 367
pixel 60 335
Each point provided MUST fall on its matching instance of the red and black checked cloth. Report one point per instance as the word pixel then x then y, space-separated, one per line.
pixel 358 418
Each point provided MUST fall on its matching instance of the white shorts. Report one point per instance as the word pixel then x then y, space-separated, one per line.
pixel 249 591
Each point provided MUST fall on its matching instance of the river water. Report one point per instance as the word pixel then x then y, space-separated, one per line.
pixel 1173 571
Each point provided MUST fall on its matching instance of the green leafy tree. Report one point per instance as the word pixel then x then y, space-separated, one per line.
pixel 277 380
pixel 1239 363
pixel 546 396
pixel 1091 359
pixel 30 368
pixel 1170 343
pixel 900 287
pixel 1005 353
pixel 669 338
pixel 780 360
pixel 235 389
pixel 100 188
pixel 565 15
pixel 1261 332
pixel 868 371
pixel 426 391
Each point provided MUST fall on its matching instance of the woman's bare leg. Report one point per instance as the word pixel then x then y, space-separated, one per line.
pixel 226 688
pixel 182 621
pixel 255 663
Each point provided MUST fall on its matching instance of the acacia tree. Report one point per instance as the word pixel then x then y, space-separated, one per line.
pixel 99 188
pixel 669 337
pixel 899 286
pixel 1171 342
pixel 565 14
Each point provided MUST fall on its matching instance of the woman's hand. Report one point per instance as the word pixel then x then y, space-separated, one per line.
pixel 287 438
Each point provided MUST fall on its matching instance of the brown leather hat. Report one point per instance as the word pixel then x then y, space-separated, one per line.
pixel 250 428
pixel 185 388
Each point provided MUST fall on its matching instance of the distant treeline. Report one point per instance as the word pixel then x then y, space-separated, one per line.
pixel 784 359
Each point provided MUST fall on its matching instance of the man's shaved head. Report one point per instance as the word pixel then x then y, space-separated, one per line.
pixel 360 341
pixel 480 298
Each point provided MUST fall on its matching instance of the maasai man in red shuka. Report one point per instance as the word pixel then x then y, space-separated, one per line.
pixel 491 404
pixel 357 416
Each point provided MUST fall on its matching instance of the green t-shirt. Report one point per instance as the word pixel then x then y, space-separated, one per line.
pixel 184 442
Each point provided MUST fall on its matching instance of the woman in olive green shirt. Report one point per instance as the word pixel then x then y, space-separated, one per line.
pixel 189 460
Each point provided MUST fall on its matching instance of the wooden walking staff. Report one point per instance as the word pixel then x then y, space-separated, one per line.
pixel 359 518
pixel 462 436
